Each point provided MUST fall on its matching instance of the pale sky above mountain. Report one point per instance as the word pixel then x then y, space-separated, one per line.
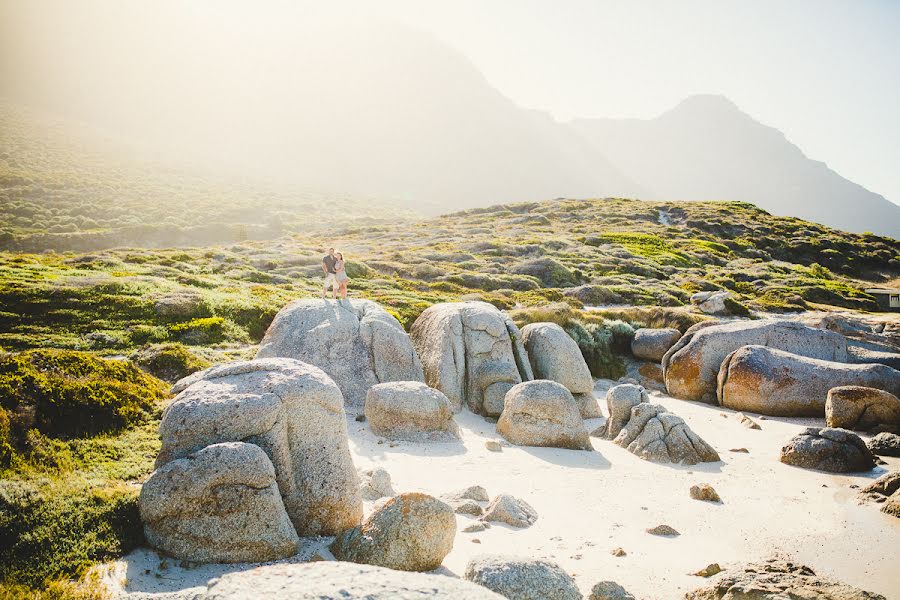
pixel 825 72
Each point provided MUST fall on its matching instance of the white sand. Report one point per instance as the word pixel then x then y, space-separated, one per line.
pixel 592 502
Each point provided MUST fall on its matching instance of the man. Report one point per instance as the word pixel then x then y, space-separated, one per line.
pixel 328 268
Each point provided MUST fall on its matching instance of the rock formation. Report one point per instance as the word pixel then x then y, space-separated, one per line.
pixel 410 532
pixel 885 444
pixel 619 402
pixel 774 382
pixel 777 580
pixel 609 590
pixel 862 408
pixel 652 344
pixel 375 484
pixel 522 578
pixel 472 352
pixel 356 342
pixel 290 411
pixel 409 410
pixel 542 413
pixel 712 303
pixel 690 366
pixel 885 491
pixel 510 510
pixel 826 449
pixel 554 355
pixel 344 580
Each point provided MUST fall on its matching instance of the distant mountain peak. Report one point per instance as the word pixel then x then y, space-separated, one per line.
pixel 703 104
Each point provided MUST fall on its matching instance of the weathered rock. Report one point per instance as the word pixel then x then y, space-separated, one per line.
pixel 826 449
pixel 510 510
pixel 712 303
pixel 475 526
pixel 619 402
pixel 493 446
pixel 472 352
pixel 652 344
pixel 651 374
pixel 747 421
pixel 291 410
pixel 554 355
pixel 609 590
pixel 862 408
pixel 657 435
pixel 375 484
pixel 473 492
pixel 522 578
pixel 709 570
pixel 886 491
pixel 705 492
pixel 330 580
pixel 409 410
pixel 774 382
pixel 542 413
pixel 467 507
pixel 618 552
pixel 885 444
pixel 663 530
pixel 692 364
pixel 410 532
pixel 777 580
pixel 220 504
pixel 356 342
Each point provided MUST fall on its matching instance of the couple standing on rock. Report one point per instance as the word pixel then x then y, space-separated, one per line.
pixel 335 274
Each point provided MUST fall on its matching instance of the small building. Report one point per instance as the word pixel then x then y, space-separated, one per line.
pixel 888 299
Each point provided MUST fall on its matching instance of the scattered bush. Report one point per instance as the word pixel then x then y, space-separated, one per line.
pixel 209 330
pixel 548 271
pixel 169 362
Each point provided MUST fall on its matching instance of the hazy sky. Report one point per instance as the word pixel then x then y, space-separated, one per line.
pixel 825 72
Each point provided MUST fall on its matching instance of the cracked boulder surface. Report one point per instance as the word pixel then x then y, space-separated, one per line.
pixel 691 366
pixel 293 413
pixel 773 382
pixel 356 342
pixel 472 352
pixel 543 413
pixel 862 408
pixel 220 504
pixel 885 491
pixel 777 580
pixel 653 433
pixel 827 449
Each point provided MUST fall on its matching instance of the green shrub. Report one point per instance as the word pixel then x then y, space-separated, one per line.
pixel 208 330
pixel 558 312
pixel 254 317
pixel 58 529
pixel 147 334
pixel 736 308
pixel 596 345
pixel 76 393
pixel 548 271
pixel 7 449
pixel 90 588
pixel 169 362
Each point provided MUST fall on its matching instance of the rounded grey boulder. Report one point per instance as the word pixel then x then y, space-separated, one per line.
pixel 543 413
pixel 652 344
pixel 774 382
pixel 619 402
pixel 826 449
pixel 862 408
pixel 356 342
pixel 409 532
pixel 522 578
pixel 554 355
pixel 409 410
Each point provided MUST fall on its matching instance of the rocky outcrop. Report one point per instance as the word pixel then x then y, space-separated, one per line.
pixel 885 444
pixel 471 352
pixel 542 413
pixel 777 580
pixel 522 578
pixel 652 344
pixel 410 532
pixel 375 484
pixel 343 580
pixel 826 449
pixel 294 413
pixel 690 366
pixel 862 408
pixel 356 342
pixel 219 504
pixel 619 402
pixel 554 355
pixel 712 303
pixel 609 590
pixel 885 491
pixel 409 410
pixel 774 382
pixel 510 510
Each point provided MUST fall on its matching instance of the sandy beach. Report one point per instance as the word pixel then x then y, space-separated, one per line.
pixel 590 503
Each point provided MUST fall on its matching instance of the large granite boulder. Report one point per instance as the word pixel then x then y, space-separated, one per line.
pixel 294 412
pixel 542 413
pixel 777 580
pixel 356 342
pixel 774 382
pixel 826 449
pixel 619 402
pixel 219 504
pixel 885 444
pixel 330 580
pixel 690 366
pixel 655 434
pixel 554 355
pixel 410 532
pixel 652 344
pixel 472 352
pixel 522 578
pixel 862 408
pixel 409 410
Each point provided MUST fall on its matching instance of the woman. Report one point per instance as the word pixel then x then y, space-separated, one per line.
pixel 340 275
